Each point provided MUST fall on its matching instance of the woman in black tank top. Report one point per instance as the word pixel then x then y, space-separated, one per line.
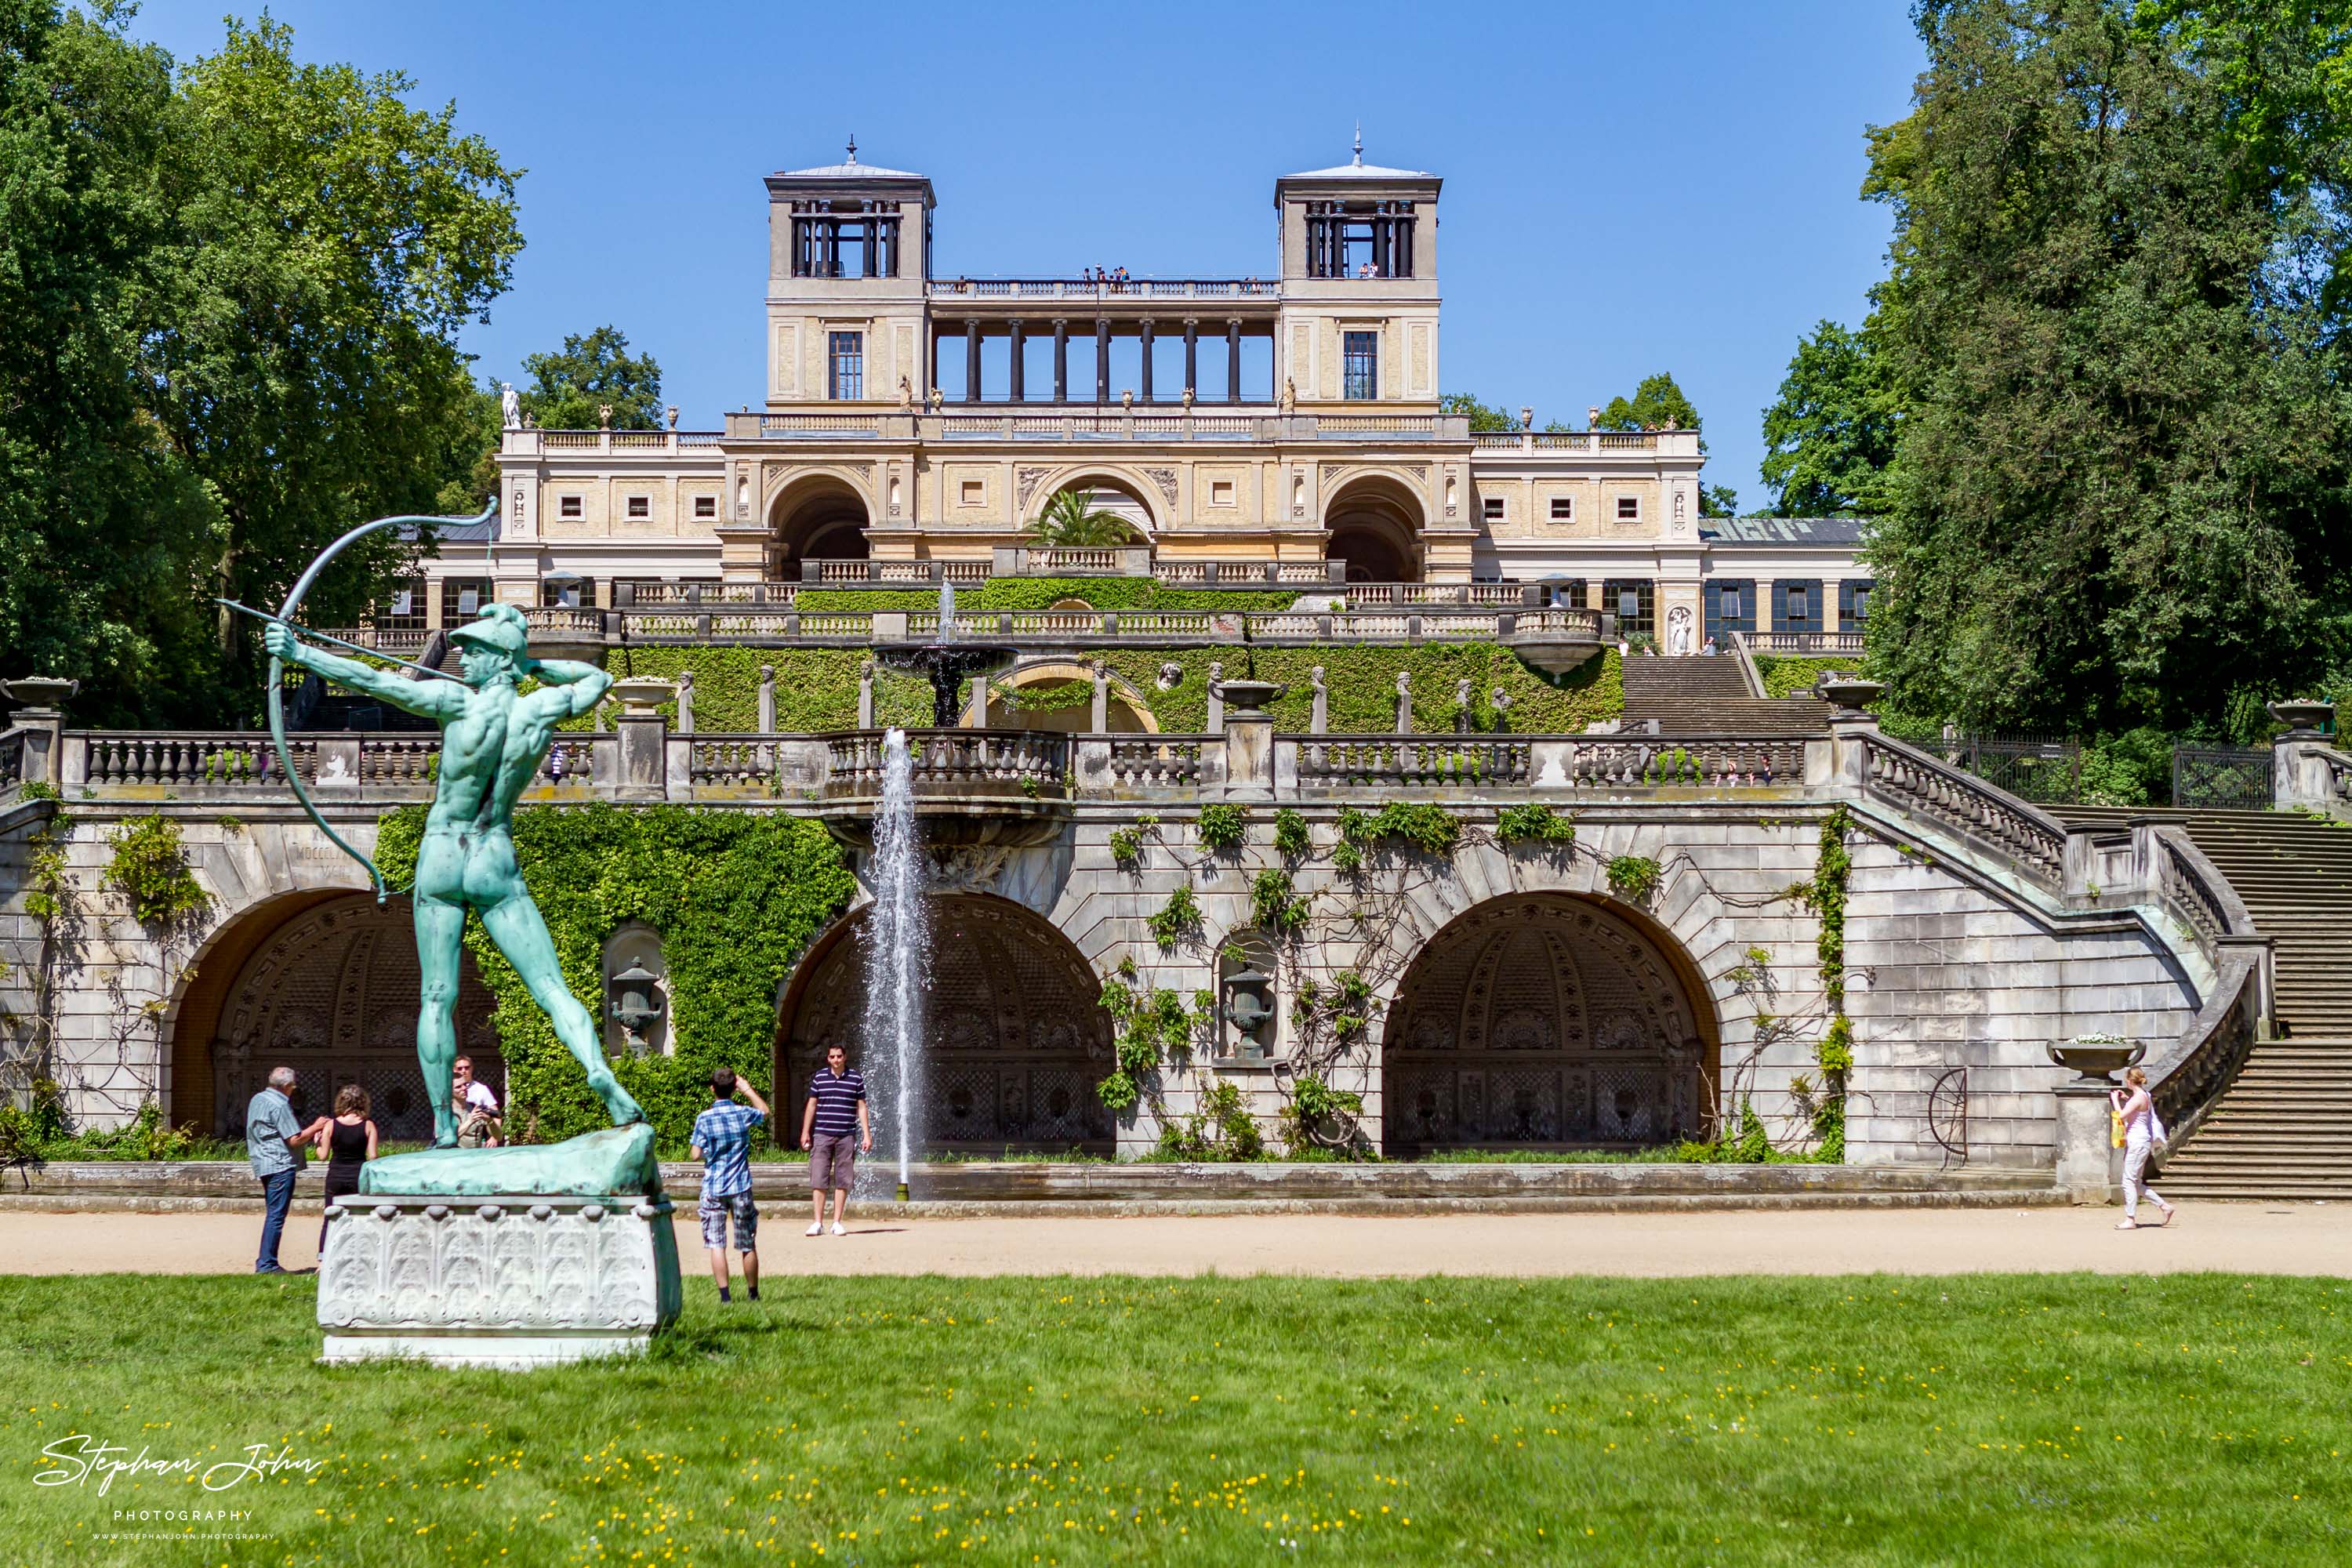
pixel 349 1142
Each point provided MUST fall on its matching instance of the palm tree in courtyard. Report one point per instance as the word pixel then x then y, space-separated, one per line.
pixel 1072 521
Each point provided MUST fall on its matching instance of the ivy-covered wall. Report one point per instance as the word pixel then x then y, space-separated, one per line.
pixel 816 689
pixel 736 895
pixel 1792 677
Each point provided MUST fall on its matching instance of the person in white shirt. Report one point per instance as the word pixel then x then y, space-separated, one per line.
pixel 477 1108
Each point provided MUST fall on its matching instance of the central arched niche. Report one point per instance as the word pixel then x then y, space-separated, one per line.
pixel 332 993
pixel 1546 1020
pixel 1015 1041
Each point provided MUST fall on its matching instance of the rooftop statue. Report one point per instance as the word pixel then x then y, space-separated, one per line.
pixel 494 736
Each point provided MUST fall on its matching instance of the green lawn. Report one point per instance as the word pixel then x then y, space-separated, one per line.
pixel 1993 1420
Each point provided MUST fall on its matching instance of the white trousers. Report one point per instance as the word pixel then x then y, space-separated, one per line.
pixel 2136 1153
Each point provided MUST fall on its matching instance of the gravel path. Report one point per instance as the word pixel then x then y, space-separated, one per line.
pixel 2269 1239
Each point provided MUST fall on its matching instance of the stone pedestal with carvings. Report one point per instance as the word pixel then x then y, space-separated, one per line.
pixel 517 1282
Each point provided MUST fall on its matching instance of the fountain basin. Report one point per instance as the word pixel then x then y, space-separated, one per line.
pixel 971 786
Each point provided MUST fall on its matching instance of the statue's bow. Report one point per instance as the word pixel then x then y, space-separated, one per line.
pixel 276 687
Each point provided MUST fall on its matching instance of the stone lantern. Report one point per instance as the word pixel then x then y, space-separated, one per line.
pixel 637 1003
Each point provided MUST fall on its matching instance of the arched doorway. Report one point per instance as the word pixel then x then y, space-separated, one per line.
pixel 328 987
pixel 1546 1020
pixel 822 518
pixel 1018 1039
pixel 1373 523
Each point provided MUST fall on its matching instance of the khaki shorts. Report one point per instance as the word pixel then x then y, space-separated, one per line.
pixel 833 1162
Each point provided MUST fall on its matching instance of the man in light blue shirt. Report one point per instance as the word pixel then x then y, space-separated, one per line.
pixel 722 1139
pixel 271 1136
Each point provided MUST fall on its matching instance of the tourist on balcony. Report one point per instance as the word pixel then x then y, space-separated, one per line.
pixel 2143 1135
pixel 348 1141
pixel 271 1136
pixel 834 1131
pixel 722 1141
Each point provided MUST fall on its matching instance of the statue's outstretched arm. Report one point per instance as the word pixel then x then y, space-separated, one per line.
pixel 427 699
pixel 574 687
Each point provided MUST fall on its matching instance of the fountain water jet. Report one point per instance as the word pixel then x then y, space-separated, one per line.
pixel 898 946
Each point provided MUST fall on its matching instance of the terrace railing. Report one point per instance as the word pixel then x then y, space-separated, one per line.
pixel 1997 822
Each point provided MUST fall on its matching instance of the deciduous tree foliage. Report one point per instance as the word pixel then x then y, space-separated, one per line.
pixel 2120 491
pixel 1830 435
pixel 228 302
pixel 570 388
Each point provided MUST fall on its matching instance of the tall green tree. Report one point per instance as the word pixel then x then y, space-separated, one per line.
pixel 571 388
pixel 1482 418
pixel 2120 489
pixel 246 278
pixel 1656 403
pixel 1830 435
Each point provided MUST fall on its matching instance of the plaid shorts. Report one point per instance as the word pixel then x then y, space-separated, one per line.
pixel 715 1213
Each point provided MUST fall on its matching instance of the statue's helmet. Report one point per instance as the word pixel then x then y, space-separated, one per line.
pixel 503 627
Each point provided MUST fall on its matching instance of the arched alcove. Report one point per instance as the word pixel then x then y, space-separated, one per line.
pixel 1373 523
pixel 1546 1020
pixel 326 984
pixel 1016 1038
pixel 1127 712
pixel 821 517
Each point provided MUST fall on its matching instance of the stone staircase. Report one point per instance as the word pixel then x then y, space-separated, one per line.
pixel 1696 695
pixel 2284 1127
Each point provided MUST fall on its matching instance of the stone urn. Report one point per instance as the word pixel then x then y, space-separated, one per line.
pixel 1246 695
pixel 1851 694
pixel 2303 720
pixel 2096 1061
pixel 50 691
pixel 641 695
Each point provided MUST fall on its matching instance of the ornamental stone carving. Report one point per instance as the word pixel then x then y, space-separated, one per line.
pixel 1165 479
pixel 497 1282
pixel 1024 485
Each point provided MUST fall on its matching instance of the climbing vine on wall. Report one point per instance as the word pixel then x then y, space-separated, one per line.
pixel 151 869
pixel 1826 895
pixel 736 895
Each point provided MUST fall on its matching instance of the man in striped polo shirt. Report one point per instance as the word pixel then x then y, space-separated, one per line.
pixel 833 1130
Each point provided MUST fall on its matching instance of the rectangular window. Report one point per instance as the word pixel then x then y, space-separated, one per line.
pixel 706 506
pixel 1634 601
pixel 1730 606
pixel 578 594
pixel 1220 492
pixel 1853 600
pixel 1361 358
pixel 1563 509
pixel 973 492
pixel 844 366
pixel 462 599
pixel 1494 505
pixel 403 609
pixel 570 506
pixel 641 505
pixel 1797 605
pixel 1629 508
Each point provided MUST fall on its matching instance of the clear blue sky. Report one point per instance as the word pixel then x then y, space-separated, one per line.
pixel 1628 187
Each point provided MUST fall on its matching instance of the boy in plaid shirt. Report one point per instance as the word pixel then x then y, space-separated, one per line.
pixel 722 1141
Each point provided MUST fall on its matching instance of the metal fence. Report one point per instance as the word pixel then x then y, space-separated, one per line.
pixel 2044 769
pixel 2221 777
